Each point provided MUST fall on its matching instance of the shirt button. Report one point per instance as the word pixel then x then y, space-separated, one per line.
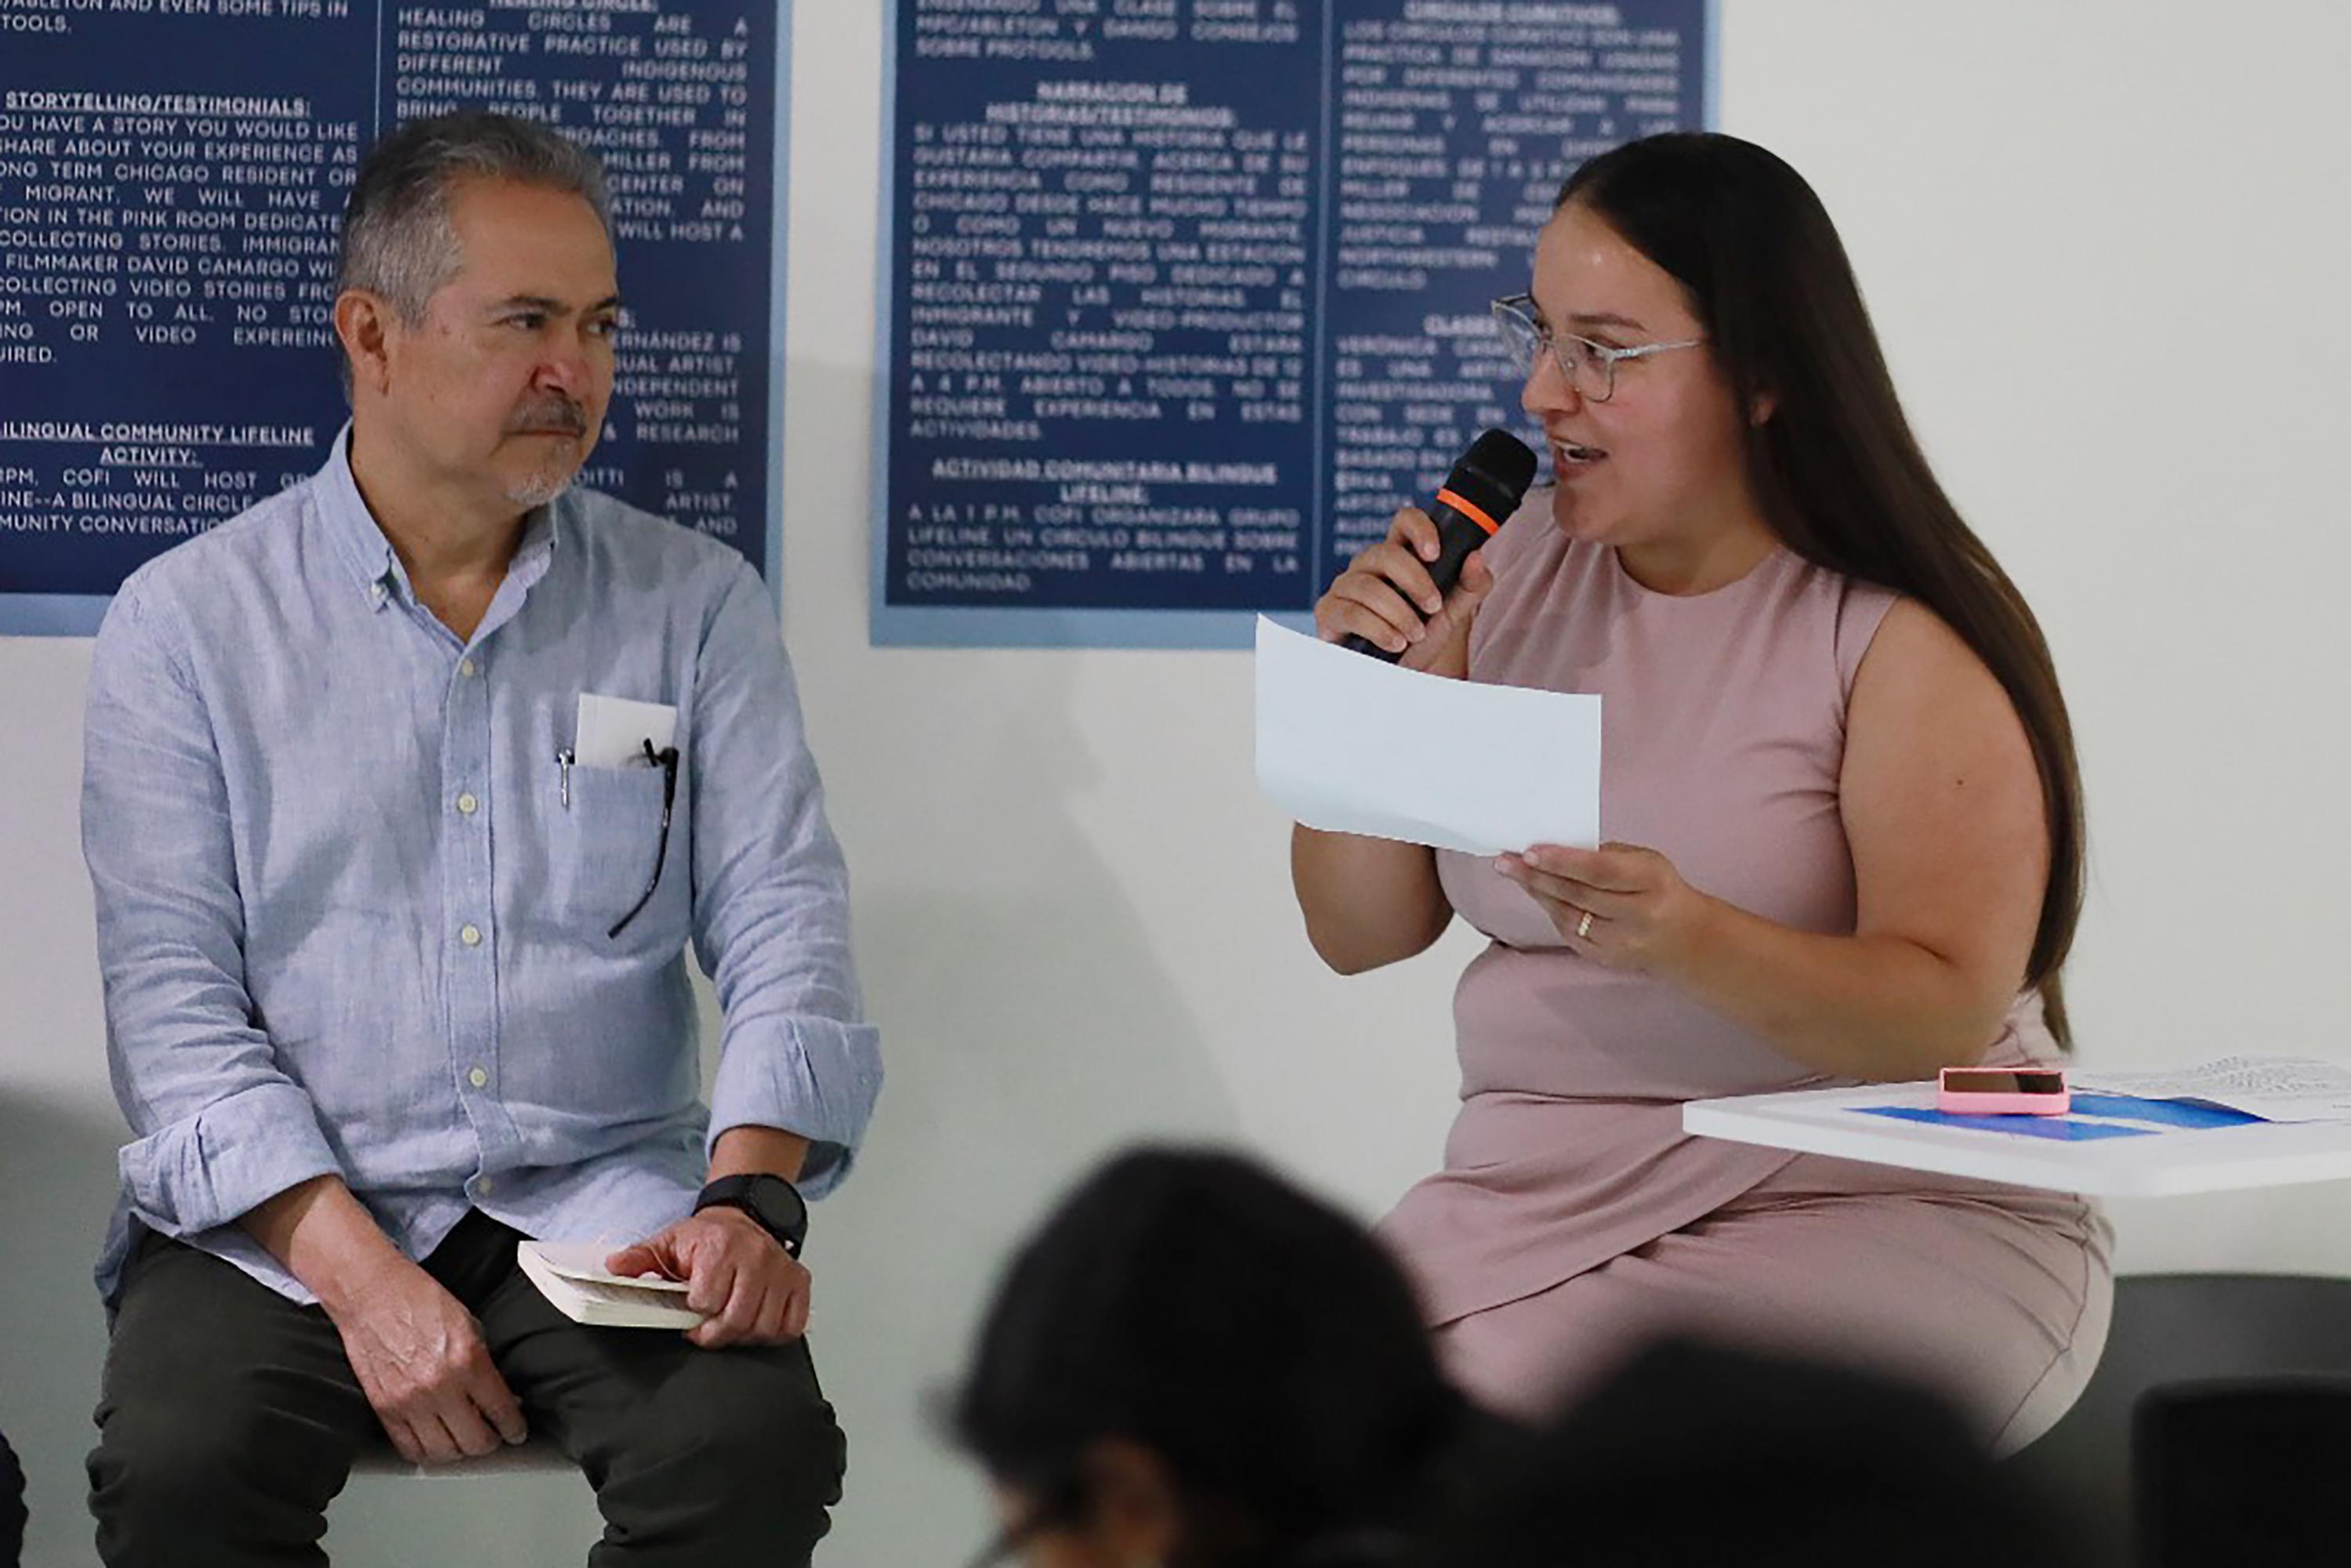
pixel 471 935
pixel 467 805
pixel 485 1187
pixel 467 668
pixel 477 1078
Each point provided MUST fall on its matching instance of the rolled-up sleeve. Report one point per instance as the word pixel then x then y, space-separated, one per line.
pixel 771 901
pixel 221 1127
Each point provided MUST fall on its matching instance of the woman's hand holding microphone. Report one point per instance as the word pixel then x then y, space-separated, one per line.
pixel 1386 597
pixel 1411 597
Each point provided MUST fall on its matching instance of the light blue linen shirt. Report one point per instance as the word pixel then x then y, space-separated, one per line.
pixel 348 921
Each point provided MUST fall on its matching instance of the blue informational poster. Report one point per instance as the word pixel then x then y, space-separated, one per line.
pixel 173 175
pixel 1182 299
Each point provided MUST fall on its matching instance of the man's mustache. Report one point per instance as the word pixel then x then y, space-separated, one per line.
pixel 558 416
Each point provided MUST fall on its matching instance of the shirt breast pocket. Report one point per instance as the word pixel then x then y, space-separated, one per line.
pixel 608 840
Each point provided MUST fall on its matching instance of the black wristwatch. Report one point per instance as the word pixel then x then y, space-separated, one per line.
pixel 775 1204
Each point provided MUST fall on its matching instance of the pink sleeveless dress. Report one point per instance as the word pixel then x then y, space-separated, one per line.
pixel 1573 1217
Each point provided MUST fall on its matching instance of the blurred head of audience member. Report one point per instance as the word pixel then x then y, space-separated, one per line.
pixel 1695 1455
pixel 1193 1365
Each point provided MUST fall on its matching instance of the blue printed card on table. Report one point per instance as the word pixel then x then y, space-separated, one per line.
pixel 2092 1118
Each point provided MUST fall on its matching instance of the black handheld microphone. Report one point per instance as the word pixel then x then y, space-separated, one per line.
pixel 1484 488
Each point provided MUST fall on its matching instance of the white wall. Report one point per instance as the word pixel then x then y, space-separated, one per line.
pixel 2104 243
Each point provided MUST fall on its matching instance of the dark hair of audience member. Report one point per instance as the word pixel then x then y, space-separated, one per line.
pixel 1257 1342
pixel 1696 1455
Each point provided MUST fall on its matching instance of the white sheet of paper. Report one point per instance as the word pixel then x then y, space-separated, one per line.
pixel 611 732
pixel 1352 745
pixel 585 1260
pixel 2278 1088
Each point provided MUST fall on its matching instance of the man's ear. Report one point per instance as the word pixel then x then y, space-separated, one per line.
pixel 1136 1516
pixel 363 321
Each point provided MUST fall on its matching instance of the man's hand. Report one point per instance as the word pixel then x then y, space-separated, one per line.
pixel 419 1354
pixel 422 1363
pixel 756 1292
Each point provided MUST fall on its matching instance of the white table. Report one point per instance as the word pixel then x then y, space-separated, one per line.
pixel 1824 1122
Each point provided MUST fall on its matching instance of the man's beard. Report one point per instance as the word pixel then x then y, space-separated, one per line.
pixel 542 485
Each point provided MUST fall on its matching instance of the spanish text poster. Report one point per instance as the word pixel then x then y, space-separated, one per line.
pixel 1185 297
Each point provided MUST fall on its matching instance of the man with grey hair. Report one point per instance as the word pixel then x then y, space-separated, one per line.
pixel 404 794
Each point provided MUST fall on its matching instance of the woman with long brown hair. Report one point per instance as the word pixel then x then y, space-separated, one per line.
pixel 1846 816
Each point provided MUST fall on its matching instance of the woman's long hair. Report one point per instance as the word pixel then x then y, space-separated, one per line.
pixel 1256 1340
pixel 1839 473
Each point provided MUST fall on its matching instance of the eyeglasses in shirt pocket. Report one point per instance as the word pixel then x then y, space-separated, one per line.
pixel 605 843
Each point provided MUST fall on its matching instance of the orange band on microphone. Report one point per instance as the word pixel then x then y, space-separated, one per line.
pixel 1469 509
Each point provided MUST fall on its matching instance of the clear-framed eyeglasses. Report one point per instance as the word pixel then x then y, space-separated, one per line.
pixel 1589 367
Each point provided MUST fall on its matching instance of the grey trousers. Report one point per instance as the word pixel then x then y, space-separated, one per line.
pixel 229 1418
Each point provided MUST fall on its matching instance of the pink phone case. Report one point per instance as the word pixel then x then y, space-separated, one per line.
pixel 2006 1102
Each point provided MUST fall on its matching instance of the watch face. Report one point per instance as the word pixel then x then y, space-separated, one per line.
pixel 770 1200
pixel 779 1205
pixel 776 1204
